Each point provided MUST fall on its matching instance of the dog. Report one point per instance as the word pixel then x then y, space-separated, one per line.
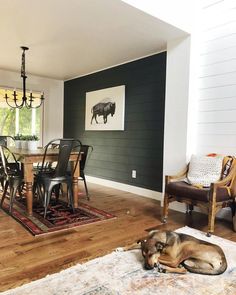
pixel 180 253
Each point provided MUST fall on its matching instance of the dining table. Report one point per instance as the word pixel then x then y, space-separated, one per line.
pixel 29 157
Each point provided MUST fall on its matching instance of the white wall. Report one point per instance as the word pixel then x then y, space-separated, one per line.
pixel 53 104
pixel 176 105
pixel 216 122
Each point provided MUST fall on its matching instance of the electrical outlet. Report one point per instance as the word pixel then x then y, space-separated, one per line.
pixel 133 173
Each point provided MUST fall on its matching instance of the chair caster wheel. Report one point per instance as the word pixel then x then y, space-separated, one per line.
pixel 164 220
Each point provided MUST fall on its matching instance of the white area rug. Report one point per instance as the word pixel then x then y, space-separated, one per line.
pixel 122 273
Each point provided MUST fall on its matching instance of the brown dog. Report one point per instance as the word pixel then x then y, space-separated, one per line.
pixel 180 252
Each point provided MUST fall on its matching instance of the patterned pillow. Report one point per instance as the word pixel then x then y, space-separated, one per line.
pixel 204 170
pixel 228 161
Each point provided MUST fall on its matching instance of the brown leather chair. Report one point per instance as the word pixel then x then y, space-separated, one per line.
pixel 219 195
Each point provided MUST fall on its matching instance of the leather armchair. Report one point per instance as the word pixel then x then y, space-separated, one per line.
pixel 220 194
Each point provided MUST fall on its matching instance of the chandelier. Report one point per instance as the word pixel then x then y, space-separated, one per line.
pixel 27 99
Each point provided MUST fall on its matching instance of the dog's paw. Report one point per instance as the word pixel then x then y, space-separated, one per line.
pixel 161 270
pixel 182 270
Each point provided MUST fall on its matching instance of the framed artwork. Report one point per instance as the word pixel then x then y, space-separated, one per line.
pixel 105 109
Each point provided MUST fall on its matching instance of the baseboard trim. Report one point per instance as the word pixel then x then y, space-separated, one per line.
pixel 126 187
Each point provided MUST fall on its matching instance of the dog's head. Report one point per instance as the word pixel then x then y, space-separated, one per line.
pixel 152 248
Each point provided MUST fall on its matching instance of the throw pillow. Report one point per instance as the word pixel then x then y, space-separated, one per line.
pixel 204 170
pixel 227 166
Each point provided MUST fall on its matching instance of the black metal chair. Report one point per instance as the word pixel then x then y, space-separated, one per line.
pixel 47 165
pixel 48 178
pixel 4 139
pixel 11 173
pixel 85 150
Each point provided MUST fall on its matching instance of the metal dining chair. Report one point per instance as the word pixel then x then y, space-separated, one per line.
pixel 4 139
pixel 48 178
pixel 85 151
pixel 11 173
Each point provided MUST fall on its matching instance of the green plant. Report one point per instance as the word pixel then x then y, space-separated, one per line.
pixel 24 137
pixel 32 137
pixel 17 136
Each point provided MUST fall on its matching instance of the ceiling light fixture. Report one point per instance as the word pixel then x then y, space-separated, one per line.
pixel 27 100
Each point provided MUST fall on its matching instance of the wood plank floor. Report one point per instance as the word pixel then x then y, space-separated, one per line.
pixel 24 258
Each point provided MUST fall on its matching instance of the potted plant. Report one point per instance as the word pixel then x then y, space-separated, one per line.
pixel 24 142
pixel 17 139
pixel 32 142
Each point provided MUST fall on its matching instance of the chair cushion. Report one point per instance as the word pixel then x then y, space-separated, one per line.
pixel 182 189
pixel 204 170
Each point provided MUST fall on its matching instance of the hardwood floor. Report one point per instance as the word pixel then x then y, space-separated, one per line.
pixel 24 258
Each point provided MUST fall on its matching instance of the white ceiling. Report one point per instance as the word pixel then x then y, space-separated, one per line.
pixel 70 38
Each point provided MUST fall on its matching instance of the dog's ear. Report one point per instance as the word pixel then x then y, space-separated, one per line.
pixel 152 232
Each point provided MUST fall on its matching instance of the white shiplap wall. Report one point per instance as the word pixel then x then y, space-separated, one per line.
pixel 216 120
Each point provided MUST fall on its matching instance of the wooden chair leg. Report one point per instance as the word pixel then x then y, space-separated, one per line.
pixel 211 219
pixel 165 209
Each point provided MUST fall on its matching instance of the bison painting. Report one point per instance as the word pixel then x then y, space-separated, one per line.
pixel 103 109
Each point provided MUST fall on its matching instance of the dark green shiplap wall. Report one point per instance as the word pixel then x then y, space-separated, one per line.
pixel 140 146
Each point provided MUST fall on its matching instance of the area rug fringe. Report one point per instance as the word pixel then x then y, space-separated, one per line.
pixel 122 273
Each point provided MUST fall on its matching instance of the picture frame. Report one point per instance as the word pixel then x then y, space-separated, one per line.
pixel 105 109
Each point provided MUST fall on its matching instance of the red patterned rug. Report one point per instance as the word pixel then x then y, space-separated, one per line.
pixel 59 216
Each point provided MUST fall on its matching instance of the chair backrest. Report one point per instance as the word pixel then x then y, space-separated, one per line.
pixel 8 162
pixel 65 147
pixel 84 155
pixel 54 144
pixel 229 166
pixel 5 138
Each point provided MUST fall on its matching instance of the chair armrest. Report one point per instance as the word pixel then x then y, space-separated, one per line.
pixel 178 176
pixel 227 180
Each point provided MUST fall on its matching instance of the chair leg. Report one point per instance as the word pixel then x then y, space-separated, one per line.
pixel 86 188
pixel 2 182
pixel 189 209
pixel 47 197
pixel 34 188
pixel 57 189
pixel 13 191
pixel 46 202
pixel 71 198
pixel 40 193
pixel 20 189
pixel 211 219
pixel 165 209
pixel 233 208
pixel 4 192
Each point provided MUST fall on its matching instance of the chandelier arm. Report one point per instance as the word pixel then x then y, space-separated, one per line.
pixel 30 106
pixel 16 106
